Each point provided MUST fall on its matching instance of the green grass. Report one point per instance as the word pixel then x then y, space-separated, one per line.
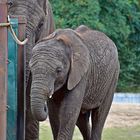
pixel 131 133
pixel 45 132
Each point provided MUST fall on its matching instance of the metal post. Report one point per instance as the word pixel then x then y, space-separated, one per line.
pixel 3 69
pixel 21 80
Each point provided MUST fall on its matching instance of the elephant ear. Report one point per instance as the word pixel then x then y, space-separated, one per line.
pixel 44 4
pixel 49 17
pixel 79 57
pixel 49 21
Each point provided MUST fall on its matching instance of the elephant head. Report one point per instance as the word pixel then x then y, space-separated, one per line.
pixel 39 21
pixel 60 59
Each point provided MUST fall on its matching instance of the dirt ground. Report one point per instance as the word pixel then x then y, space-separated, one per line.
pixel 123 115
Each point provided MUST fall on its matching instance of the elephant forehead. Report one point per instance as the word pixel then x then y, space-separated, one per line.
pixel 46 60
pixel 49 50
pixel 28 8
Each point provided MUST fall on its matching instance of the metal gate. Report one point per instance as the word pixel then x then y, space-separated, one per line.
pixel 12 84
pixel 12 79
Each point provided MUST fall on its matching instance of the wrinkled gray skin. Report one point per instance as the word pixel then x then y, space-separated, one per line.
pixel 79 69
pixel 39 24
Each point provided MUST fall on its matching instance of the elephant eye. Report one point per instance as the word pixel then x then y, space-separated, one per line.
pixel 40 24
pixel 10 3
pixel 59 70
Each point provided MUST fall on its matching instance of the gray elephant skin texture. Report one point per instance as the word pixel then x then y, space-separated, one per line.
pixel 74 75
pixel 39 24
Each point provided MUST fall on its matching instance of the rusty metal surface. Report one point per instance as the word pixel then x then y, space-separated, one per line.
pixel 3 70
pixel 21 81
pixel 12 84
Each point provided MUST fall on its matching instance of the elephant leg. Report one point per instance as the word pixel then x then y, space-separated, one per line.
pixel 53 117
pixel 32 125
pixel 69 112
pixel 68 116
pixel 83 125
pixel 99 115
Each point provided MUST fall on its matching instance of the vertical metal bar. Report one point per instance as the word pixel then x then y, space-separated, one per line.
pixel 21 78
pixel 3 69
pixel 12 84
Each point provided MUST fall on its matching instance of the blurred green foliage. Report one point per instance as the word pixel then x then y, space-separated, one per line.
pixel 119 19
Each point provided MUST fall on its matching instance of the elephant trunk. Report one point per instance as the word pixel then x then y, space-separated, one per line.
pixel 28 50
pixel 38 103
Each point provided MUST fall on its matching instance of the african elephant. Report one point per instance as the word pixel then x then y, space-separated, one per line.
pixel 74 75
pixel 39 24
